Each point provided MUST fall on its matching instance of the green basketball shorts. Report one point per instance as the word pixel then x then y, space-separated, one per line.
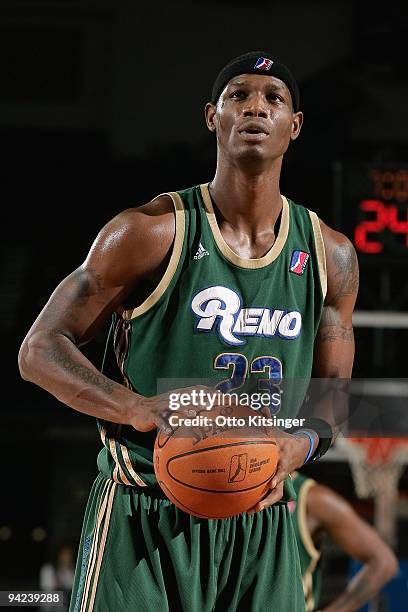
pixel 138 552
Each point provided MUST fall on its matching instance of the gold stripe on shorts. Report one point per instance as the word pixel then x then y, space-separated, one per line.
pixel 118 473
pixel 129 466
pixel 100 518
pixel 101 550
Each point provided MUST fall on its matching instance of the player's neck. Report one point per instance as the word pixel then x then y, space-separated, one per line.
pixel 247 200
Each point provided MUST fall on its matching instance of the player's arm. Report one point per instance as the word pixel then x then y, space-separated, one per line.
pixel 334 516
pixel 131 247
pixel 334 345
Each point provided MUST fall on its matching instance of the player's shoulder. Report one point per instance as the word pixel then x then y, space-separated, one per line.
pixel 341 263
pixel 333 239
pixel 144 216
pixel 136 240
pixel 338 247
pixel 140 225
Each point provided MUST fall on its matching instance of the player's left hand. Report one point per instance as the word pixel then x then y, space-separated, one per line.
pixel 292 454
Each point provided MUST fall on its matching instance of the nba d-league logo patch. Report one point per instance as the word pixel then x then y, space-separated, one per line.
pixel 263 63
pixel 298 262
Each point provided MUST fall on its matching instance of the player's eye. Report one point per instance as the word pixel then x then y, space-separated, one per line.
pixel 274 97
pixel 238 93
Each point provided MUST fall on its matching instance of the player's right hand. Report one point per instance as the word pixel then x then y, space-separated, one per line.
pixel 152 412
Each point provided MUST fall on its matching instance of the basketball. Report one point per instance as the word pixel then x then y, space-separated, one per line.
pixel 216 466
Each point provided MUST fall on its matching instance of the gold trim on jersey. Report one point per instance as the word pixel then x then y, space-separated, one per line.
pixel 320 251
pixel 129 466
pixel 119 475
pixel 302 518
pixel 157 293
pixel 313 552
pixel 102 433
pixel 120 453
pixel 98 546
pixel 226 250
pixel 307 583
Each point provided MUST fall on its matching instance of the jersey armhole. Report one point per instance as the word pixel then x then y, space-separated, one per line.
pixel 302 519
pixel 320 252
pixel 165 281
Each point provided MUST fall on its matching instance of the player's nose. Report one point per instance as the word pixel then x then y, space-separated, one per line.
pixel 255 107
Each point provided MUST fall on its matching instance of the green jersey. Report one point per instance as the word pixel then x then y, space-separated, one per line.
pixel 309 555
pixel 218 318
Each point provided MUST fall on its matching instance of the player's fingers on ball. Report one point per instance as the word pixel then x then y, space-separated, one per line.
pixel 255 509
pixel 274 496
pixel 280 475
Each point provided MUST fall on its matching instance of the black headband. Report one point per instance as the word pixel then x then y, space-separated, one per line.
pixel 256 62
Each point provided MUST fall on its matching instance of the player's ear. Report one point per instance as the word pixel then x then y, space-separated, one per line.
pixel 296 125
pixel 209 111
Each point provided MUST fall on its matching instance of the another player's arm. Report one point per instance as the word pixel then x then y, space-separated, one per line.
pixel 334 516
pixel 334 344
pixel 129 248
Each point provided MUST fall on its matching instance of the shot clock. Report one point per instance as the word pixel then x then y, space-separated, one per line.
pixel 375 210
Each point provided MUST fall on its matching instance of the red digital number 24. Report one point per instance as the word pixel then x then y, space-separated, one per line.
pixel 386 217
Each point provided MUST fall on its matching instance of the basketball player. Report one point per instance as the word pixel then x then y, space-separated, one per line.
pixel 318 512
pixel 227 280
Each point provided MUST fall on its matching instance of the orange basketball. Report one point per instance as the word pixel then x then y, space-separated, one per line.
pixel 216 468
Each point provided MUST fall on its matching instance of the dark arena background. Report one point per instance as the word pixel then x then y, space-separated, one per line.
pixel 101 108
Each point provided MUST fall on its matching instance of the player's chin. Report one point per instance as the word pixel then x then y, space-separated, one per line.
pixel 253 151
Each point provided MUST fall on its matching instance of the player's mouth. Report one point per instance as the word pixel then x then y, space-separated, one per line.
pixel 253 131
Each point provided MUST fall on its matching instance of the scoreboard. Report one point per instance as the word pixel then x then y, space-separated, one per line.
pixel 375 210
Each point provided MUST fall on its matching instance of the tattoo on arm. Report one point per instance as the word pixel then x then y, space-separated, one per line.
pixel 87 281
pixel 346 275
pixel 56 355
pixel 331 329
pixel 331 333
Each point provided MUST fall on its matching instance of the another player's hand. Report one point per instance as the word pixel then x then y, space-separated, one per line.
pixel 292 454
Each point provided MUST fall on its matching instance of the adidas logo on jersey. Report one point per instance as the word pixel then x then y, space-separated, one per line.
pixel 202 252
pixel 218 309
